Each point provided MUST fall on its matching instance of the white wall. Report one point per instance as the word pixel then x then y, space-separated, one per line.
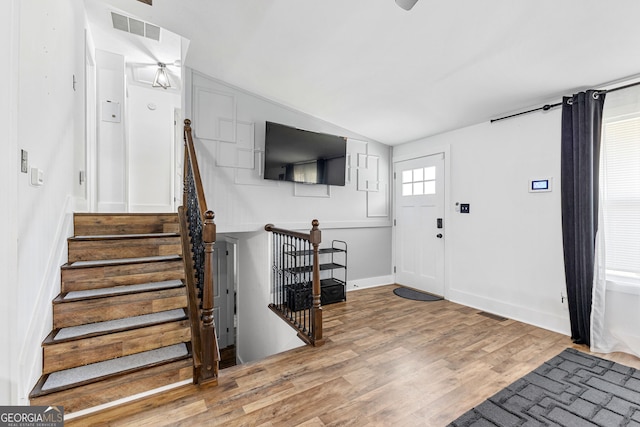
pixel 9 170
pixel 51 49
pixel 151 147
pixel 260 332
pixel 111 145
pixel 505 256
pixel 244 201
pixel 361 272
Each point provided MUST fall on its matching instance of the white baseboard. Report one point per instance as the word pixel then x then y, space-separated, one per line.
pixel 546 320
pixel 112 207
pixel 369 282
pixel 150 208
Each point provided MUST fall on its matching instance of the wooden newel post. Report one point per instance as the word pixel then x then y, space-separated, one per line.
pixel 315 237
pixel 209 342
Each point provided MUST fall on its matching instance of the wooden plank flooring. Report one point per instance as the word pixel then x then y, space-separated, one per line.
pixel 386 361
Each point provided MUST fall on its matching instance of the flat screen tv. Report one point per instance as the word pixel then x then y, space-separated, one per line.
pixel 303 156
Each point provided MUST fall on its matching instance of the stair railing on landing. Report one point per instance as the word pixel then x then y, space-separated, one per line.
pixel 295 284
pixel 198 232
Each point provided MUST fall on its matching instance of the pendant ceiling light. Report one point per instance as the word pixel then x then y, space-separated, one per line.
pixel 406 4
pixel 162 77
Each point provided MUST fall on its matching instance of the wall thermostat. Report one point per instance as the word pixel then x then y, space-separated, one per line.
pixel 540 185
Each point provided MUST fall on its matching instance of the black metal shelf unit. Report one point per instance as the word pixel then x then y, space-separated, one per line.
pixel 333 279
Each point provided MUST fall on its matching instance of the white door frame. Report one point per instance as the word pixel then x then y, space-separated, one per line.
pixel 423 152
pixel 177 160
pixel 91 126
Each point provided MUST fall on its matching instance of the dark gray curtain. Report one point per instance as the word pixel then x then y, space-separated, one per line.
pixel 581 135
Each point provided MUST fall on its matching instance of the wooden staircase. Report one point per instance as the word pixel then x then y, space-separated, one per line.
pixel 120 323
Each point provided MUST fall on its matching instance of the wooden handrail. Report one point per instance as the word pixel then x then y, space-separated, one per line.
pixel 194 310
pixel 199 236
pixel 273 229
pixel 286 292
pixel 190 151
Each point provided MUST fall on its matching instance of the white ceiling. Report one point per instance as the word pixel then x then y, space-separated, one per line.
pixel 141 54
pixel 394 75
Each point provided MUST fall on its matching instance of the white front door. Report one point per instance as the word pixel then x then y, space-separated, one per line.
pixel 419 223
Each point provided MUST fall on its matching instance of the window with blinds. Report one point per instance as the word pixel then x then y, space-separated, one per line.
pixel 620 182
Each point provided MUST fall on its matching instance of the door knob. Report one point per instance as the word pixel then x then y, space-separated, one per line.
pixel 439 235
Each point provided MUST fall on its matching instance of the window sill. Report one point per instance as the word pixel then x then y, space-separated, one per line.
pixel 627 285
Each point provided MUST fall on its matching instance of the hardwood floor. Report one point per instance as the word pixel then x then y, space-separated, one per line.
pixel 386 361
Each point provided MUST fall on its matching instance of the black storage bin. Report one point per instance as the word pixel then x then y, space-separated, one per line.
pixel 299 296
pixel 332 291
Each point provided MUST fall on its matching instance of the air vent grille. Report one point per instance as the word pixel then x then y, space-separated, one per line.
pixel 120 22
pixel 152 31
pixel 135 26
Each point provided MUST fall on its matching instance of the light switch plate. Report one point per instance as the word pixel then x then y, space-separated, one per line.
pixel 24 161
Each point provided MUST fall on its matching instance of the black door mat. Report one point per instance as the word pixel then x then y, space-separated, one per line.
pixel 412 294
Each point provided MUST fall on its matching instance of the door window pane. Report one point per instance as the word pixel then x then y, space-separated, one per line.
pixel 417 189
pixel 420 181
pixel 430 187
pixel 430 173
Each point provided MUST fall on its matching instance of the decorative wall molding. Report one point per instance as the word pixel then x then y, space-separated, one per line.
pixel 311 190
pixel 368 170
pixel 347 178
pixel 240 153
pixel 215 115
pixel 378 202
pixel 254 176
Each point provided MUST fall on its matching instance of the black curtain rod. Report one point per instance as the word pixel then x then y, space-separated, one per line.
pixel 547 107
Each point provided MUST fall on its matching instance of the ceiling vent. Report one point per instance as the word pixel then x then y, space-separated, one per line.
pixel 135 26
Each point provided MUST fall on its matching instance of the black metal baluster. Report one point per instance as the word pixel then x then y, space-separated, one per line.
pixel 309 282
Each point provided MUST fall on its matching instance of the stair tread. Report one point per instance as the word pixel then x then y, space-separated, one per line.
pixel 95 371
pixel 121 261
pixel 117 290
pixel 123 236
pixel 118 324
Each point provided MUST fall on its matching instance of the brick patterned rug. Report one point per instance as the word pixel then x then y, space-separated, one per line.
pixel 572 389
